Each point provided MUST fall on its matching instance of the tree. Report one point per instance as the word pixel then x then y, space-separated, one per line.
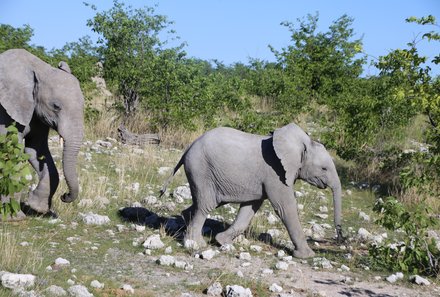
pixel 11 37
pixel 130 48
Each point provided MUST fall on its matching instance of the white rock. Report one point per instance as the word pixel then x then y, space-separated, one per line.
pixel 56 291
pixel 300 206
pixel 364 216
pixel 150 200
pixel 164 170
pixel 317 231
pixel 363 235
pixel 15 280
pixel 345 268
pixel 135 187
pixel 169 250
pixel 322 262
pixel 191 244
pixel 79 291
pixel 275 288
pixel 70 282
pixel 281 254
pixel 321 215
pixel 166 260
pixel 127 288
pixel 281 265
pixel 256 248
pixel 419 280
pixel 274 232
pixel 271 218
pixel 392 278
pixel 182 192
pixel 240 273
pixel 97 285
pixel 238 291
pixel 139 228
pixel 267 271
pixel 323 209
pixel 208 254
pixel 94 219
pixel 399 275
pixel 298 194
pixel 216 289
pixel 245 256
pixel 153 242
pixel 61 262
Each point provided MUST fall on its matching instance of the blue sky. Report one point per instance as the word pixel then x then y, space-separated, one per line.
pixel 235 30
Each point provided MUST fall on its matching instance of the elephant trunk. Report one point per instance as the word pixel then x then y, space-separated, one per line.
pixel 337 205
pixel 70 157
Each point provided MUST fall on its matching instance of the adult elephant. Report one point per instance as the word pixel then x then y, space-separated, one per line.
pixel 37 97
pixel 229 166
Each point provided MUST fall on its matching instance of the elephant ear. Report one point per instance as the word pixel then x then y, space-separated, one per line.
pixel 64 66
pixel 18 88
pixel 289 143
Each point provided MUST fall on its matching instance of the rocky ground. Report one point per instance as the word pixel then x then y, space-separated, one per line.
pixel 121 239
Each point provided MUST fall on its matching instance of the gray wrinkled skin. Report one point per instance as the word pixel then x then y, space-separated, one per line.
pixel 225 165
pixel 38 97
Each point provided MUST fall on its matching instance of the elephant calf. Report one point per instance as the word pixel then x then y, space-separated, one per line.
pixel 225 165
pixel 37 97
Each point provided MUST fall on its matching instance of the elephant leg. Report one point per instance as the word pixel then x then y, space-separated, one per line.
pixel 285 205
pixel 188 213
pixel 245 214
pixel 41 160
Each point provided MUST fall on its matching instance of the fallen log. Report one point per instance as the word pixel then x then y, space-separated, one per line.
pixel 128 137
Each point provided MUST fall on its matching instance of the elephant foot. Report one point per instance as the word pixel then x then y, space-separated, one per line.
pixel 304 253
pixel 224 238
pixel 28 210
pixel 19 216
pixel 192 244
pixel 37 205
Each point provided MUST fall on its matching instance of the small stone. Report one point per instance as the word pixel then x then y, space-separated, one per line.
pixel 191 244
pixel 70 282
pixel 345 268
pixel 166 260
pixel 127 288
pixel 392 278
pixel 274 232
pixel 322 215
pixel 79 291
pixel 240 273
pixel 275 288
pixel 237 291
pixel 267 271
pixel 256 248
pixel 208 254
pixel 216 289
pixel 419 280
pixel 168 250
pixel 94 219
pixel 281 254
pixel 24 243
pixel 56 291
pixel 97 285
pixel 15 280
pixel 363 235
pixel 364 216
pixel 281 265
pixel 150 200
pixel 62 262
pixel 245 256
pixel 399 275
pixel 323 209
pixel 139 228
pixel 182 192
pixel 322 262
pixel 271 219
pixel 153 242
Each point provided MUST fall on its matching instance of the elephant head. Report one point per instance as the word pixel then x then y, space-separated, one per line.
pixel 32 89
pixel 308 160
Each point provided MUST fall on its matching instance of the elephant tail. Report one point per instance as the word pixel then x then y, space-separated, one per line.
pixel 170 178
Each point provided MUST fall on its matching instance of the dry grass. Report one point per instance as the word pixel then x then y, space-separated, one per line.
pixel 12 256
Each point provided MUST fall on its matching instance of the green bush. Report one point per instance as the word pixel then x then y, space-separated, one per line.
pixel 417 252
pixel 13 169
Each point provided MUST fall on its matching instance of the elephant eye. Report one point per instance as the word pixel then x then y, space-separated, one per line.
pixel 324 169
pixel 56 106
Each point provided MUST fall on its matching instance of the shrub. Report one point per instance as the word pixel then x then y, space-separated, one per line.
pixel 417 253
pixel 13 169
